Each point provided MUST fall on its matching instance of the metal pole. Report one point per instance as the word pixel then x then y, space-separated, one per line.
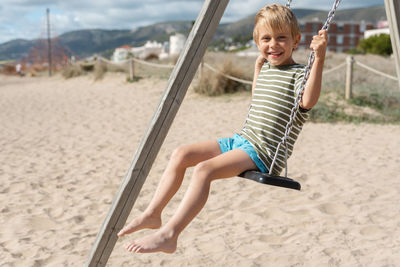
pixel 48 40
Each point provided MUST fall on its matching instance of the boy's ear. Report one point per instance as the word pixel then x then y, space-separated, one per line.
pixel 297 41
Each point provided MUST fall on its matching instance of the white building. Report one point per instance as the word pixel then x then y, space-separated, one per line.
pixel 159 50
pixel 369 33
pixel 121 53
pixel 176 44
pixel 149 48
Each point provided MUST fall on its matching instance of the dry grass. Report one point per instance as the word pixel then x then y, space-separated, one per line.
pixel 100 70
pixel 375 98
pixel 71 71
pixel 213 84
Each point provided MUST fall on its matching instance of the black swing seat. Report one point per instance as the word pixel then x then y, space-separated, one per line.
pixel 266 178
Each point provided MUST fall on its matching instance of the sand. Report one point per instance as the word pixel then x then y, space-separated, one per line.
pixel 66 145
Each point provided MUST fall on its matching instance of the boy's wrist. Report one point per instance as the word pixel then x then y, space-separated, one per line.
pixel 320 58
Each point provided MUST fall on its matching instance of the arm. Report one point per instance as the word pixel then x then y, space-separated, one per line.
pixel 313 86
pixel 257 68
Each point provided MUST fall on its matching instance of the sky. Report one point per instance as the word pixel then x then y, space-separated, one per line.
pixel 26 19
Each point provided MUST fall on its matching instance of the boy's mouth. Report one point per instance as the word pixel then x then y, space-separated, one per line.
pixel 275 54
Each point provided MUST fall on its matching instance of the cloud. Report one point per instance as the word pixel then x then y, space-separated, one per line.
pixel 26 18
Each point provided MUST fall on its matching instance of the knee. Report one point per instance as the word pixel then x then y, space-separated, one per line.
pixel 180 155
pixel 203 172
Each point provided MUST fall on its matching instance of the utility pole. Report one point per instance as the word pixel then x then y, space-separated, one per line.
pixel 48 40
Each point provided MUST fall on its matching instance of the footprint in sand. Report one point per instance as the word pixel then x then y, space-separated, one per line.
pixel 39 223
pixel 315 196
pixel 332 208
pixel 371 230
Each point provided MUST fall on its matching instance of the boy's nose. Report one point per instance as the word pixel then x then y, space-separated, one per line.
pixel 273 42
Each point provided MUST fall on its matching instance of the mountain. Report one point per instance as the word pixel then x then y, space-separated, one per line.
pixel 14 49
pixel 372 15
pixel 88 42
pixel 244 27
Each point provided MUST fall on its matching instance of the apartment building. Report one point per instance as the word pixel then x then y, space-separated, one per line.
pixel 342 36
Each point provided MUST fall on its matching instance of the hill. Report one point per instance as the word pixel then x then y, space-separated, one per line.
pixel 371 15
pixel 88 42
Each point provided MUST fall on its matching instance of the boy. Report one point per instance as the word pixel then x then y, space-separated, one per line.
pixel 276 82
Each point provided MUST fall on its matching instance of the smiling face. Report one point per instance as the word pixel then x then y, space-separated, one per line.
pixel 276 45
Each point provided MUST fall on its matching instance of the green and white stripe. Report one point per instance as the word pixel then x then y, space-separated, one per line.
pixel 274 97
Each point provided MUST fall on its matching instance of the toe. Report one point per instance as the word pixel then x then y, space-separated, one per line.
pixel 137 249
pixel 130 247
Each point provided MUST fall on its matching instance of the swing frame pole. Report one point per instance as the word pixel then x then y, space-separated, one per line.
pixel 180 79
pixel 392 8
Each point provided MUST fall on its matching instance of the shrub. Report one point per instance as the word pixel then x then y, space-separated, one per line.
pixel 99 71
pixel 151 56
pixel 71 71
pixel 214 84
pixel 87 66
pixel 377 44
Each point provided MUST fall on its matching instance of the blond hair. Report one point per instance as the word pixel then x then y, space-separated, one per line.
pixel 276 17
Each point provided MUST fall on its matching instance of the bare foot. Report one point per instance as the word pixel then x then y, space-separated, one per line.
pixel 157 242
pixel 142 222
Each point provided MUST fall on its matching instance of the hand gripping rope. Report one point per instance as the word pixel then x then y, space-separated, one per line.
pixel 278 180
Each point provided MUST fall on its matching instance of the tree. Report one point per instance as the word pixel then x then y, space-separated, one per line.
pixel 377 44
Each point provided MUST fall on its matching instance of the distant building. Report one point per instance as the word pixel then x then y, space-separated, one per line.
pixel 382 24
pixel 150 48
pixel 382 28
pixel 176 44
pixel 342 36
pixel 121 53
pixel 374 32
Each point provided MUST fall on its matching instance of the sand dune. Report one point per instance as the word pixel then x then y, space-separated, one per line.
pixel 66 145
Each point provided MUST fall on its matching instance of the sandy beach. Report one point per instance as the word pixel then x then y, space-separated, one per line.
pixel 66 145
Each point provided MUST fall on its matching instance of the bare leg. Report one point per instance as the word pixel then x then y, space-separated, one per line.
pixel 226 165
pixel 171 180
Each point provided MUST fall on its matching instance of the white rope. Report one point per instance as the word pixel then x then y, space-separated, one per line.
pixel 334 68
pixel 212 68
pixel 153 64
pixel 251 83
pixel 227 76
pixel 376 71
pixel 137 60
pixel 112 62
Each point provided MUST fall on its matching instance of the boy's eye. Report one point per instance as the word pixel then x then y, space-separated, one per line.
pixel 282 37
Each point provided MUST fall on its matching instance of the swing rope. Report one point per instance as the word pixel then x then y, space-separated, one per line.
pixel 278 180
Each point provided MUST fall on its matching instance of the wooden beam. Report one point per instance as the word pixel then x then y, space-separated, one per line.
pixel 392 8
pixel 180 79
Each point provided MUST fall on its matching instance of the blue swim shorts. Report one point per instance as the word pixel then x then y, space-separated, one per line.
pixel 239 142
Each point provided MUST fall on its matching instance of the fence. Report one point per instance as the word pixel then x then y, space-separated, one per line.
pixel 349 63
pixel 131 61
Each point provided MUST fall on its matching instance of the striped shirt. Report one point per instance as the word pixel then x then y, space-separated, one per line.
pixel 273 99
